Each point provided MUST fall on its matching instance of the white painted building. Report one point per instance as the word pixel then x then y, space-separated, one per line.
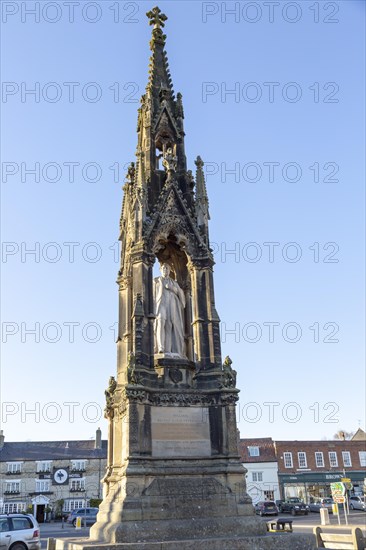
pixel 259 458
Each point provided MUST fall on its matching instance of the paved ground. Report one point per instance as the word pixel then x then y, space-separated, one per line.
pixel 56 531
pixel 301 524
pixel 305 524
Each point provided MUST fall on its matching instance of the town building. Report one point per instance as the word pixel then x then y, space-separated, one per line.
pixel 51 478
pixel 260 460
pixel 307 468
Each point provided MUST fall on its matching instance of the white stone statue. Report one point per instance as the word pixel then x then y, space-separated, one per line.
pixel 169 303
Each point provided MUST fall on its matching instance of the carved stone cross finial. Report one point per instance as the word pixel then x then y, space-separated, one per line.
pixel 199 162
pixel 157 18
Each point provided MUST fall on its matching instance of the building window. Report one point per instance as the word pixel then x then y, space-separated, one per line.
pixel 362 455
pixel 268 495
pixel 44 466
pixel 42 486
pixel 13 467
pixel 78 465
pixel 287 457
pixel 333 460
pixel 302 459
pixel 319 460
pixel 257 476
pixel 346 456
pixel 253 451
pixel 77 484
pixel 12 507
pixel 70 505
pixel 12 487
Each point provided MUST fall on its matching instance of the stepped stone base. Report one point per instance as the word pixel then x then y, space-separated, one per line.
pixel 285 541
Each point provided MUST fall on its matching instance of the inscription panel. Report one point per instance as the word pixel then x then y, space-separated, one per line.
pixel 180 431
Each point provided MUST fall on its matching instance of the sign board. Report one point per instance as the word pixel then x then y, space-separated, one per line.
pixel 60 476
pixel 339 499
pixel 345 480
pixel 338 489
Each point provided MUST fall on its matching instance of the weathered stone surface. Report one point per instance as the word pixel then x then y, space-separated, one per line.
pixel 180 431
pixel 288 541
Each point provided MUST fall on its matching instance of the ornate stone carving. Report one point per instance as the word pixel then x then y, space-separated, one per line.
pixel 229 374
pixel 229 398
pixel 170 163
pixel 130 176
pixel 109 397
pixel 175 375
pixel 132 376
pixel 157 18
pixel 136 395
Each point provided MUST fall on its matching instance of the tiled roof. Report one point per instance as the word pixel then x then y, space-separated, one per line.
pixel 266 450
pixel 52 450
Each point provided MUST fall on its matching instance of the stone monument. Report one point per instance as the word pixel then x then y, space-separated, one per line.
pixel 174 478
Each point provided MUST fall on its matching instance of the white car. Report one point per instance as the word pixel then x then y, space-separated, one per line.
pixel 357 503
pixel 19 532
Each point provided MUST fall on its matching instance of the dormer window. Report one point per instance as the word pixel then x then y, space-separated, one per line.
pixel 253 451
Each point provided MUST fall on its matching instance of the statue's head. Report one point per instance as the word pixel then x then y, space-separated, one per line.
pixel 165 269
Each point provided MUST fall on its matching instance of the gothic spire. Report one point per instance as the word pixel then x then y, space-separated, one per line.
pixel 160 83
pixel 202 212
pixel 160 124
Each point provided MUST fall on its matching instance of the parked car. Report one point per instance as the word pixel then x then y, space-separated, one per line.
pixel 266 508
pixel 294 506
pixel 19 531
pixel 357 503
pixel 88 516
pixel 322 503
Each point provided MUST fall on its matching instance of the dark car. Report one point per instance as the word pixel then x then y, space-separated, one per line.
pixel 294 506
pixel 266 508
pixel 88 516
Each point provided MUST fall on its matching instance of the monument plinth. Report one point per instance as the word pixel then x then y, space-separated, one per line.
pixel 174 477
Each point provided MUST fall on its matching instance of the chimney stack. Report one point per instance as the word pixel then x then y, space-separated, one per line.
pixel 98 439
pixel 2 439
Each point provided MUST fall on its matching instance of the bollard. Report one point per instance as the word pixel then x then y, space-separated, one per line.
pixel 324 516
pixel 78 523
pixel 51 544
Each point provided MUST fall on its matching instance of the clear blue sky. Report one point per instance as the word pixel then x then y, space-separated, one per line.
pixel 309 122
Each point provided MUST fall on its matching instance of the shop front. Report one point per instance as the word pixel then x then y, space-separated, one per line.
pixel 311 486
